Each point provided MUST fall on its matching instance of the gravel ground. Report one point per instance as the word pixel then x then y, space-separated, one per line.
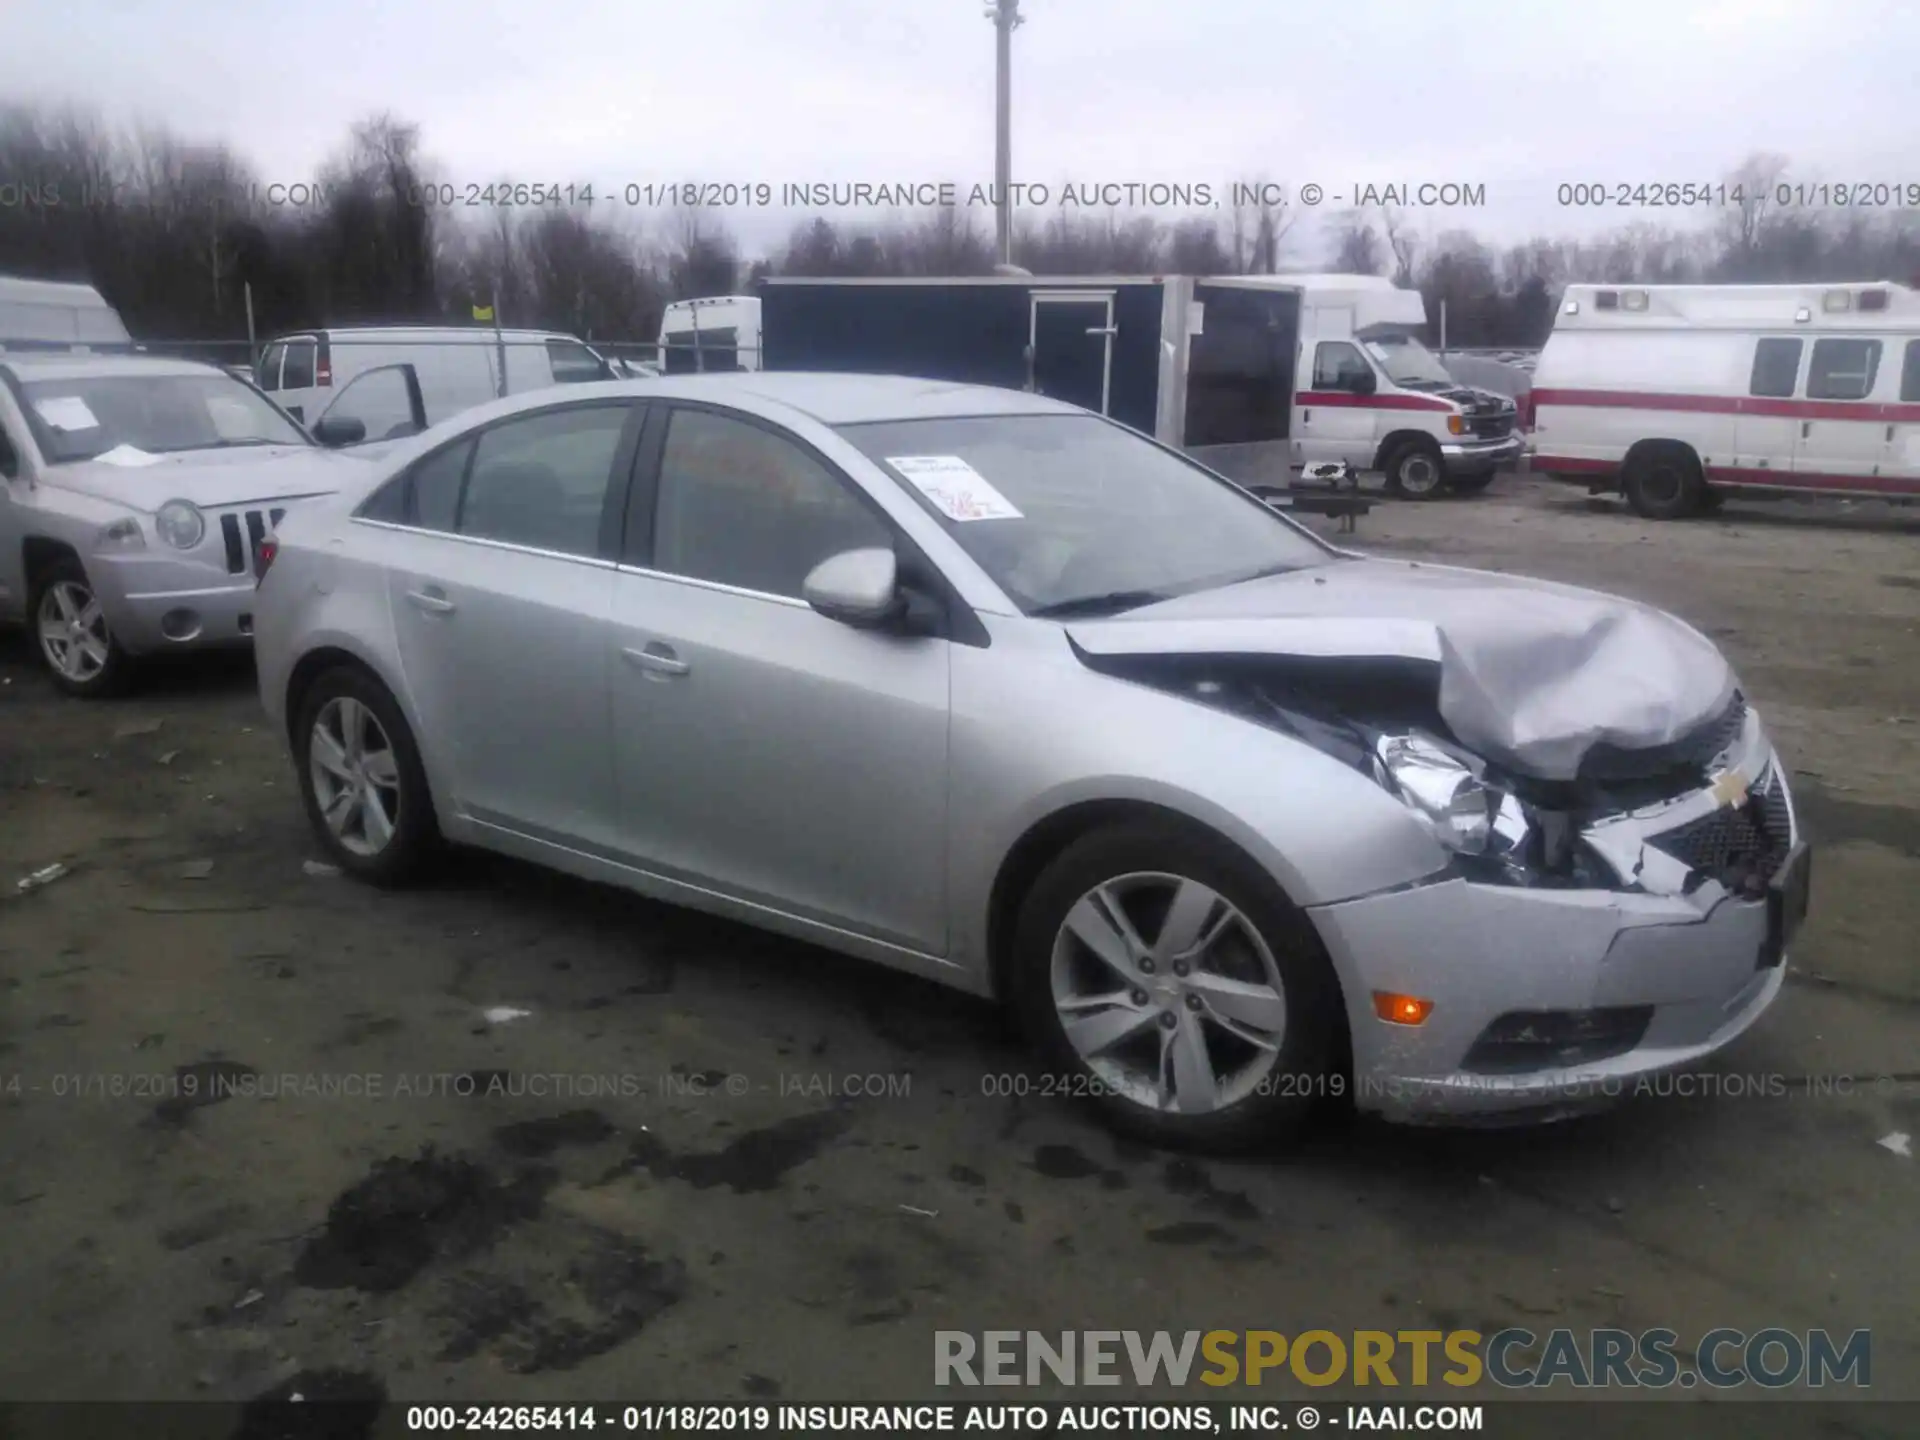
pixel 707 1163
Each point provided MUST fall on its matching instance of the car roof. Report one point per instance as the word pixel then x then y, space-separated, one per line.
pixel 31 365
pixel 839 399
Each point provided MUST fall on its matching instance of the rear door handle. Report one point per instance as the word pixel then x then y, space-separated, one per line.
pixel 1806 429
pixel 656 659
pixel 432 601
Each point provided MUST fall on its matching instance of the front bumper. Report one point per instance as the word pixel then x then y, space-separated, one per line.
pixel 1476 457
pixel 1676 946
pixel 156 602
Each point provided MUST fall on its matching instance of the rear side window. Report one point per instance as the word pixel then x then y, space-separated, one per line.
pixel 299 372
pixel 573 363
pixel 1843 369
pixel 541 481
pixel 1910 373
pixel 1776 365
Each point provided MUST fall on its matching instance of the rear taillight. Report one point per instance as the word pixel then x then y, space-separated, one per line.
pixel 263 553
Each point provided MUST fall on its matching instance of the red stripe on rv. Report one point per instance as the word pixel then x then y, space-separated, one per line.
pixel 1743 475
pixel 1728 405
pixel 1341 400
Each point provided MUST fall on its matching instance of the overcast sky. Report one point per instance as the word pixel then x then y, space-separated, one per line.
pixel 1517 95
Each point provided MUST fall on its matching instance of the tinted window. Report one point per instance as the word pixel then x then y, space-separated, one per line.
pixel 380 400
pixel 1842 369
pixel 1104 520
pixel 435 499
pixel 542 480
pixel 573 363
pixel 270 367
pixel 1776 366
pixel 9 457
pixel 299 372
pixel 739 505
pixel 1336 365
pixel 1910 373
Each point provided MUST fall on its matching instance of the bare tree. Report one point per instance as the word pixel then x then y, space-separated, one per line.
pixel 1356 245
pixel 1402 243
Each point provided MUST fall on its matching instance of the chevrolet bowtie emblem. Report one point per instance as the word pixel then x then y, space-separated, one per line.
pixel 1730 788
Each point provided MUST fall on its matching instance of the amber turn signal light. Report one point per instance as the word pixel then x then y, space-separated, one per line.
pixel 1401 1009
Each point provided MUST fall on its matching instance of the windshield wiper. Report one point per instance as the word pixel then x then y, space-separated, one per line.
pixel 1111 603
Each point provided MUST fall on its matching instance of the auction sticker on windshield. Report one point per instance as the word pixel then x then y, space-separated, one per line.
pixel 960 491
pixel 66 412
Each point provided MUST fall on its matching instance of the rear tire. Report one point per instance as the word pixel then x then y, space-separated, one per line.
pixel 361 778
pixel 1226 1043
pixel 72 637
pixel 1664 483
pixel 1415 471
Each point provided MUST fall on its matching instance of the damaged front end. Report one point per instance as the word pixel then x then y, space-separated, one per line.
pixel 1703 817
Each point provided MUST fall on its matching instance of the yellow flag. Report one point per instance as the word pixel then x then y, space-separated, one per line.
pixel 483 312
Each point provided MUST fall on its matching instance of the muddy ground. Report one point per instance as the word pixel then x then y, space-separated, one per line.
pixel 705 1207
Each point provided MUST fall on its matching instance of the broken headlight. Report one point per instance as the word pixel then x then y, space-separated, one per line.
pixel 1499 837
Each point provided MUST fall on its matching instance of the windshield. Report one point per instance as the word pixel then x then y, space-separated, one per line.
pixel 1072 515
pixel 1407 362
pixel 88 416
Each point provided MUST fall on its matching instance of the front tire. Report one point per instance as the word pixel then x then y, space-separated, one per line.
pixel 72 635
pixel 361 778
pixel 1415 471
pixel 1664 483
pixel 1167 979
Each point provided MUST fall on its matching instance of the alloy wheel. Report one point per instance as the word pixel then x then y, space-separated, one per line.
pixel 1190 1021
pixel 73 631
pixel 356 776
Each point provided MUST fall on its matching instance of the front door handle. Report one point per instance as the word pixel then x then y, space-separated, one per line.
pixel 1306 417
pixel 656 659
pixel 432 601
pixel 1806 429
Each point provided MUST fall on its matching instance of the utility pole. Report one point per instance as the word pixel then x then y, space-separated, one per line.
pixel 1005 15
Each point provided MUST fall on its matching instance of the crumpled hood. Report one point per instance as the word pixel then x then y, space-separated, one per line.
pixel 213 478
pixel 1531 673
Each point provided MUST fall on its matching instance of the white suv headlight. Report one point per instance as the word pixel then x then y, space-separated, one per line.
pixel 180 524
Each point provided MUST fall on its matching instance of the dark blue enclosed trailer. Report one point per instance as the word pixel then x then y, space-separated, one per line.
pixel 1111 344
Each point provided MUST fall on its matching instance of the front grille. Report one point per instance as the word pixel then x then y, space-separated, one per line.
pixel 1740 846
pixel 1493 427
pixel 256 525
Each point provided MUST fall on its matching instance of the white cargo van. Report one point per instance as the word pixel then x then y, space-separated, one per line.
pixel 1679 395
pixel 57 315
pixel 721 332
pixel 458 366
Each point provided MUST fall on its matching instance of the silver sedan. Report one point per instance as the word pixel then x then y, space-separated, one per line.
pixel 996 691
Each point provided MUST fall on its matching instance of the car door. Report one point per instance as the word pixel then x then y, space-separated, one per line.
pixel 500 603
pixel 1767 428
pixel 386 404
pixel 766 751
pixel 299 393
pixel 1334 421
pixel 1841 436
pixel 1900 455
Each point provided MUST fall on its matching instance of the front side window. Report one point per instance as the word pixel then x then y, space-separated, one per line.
pixel 95 415
pixel 269 378
pixel 541 480
pixel 574 364
pixel 1776 368
pixel 1910 374
pixel 381 400
pixel 1071 514
pixel 1338 366
pixel 740 505
pixel 1842 369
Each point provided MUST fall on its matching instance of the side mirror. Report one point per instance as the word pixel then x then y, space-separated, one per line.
pixel 1362 382
pixel 856 587
pixel 333 431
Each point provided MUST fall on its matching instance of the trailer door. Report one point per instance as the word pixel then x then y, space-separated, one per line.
pixel 1070 346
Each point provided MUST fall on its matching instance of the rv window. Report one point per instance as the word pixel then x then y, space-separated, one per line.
pixel 299 372
pixel 1776 366
pixel 1843 369
pixel 1338 366
pixel 741 506
pixel 574 364
pixel 1910 373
